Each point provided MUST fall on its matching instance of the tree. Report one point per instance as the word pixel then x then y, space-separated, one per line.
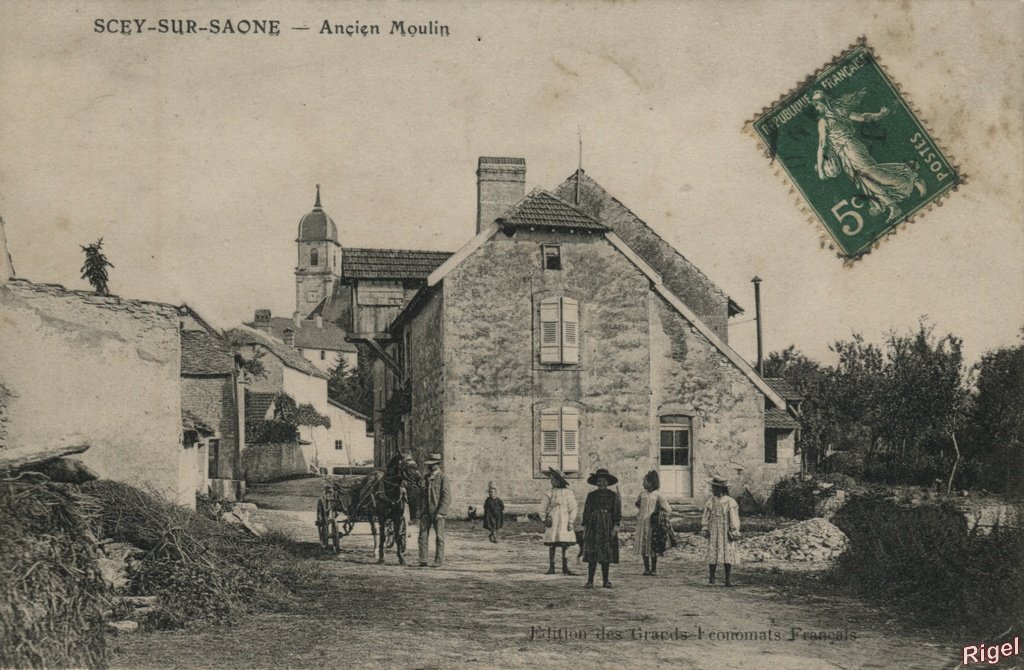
pixel 352 388
pixel 94 270
pixel 997 419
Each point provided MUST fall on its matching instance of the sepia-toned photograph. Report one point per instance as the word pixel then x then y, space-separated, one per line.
pixel 551 334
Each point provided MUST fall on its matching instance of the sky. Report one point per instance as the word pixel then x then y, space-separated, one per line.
pixel 195 156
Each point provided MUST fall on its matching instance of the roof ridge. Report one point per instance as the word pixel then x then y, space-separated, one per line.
pixel 418 251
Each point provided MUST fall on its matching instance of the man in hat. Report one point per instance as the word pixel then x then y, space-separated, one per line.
pixel 437 497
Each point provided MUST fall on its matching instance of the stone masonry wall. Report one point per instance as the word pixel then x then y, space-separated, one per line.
pixel 426 372
pixel 212 400
pixel 495 384
pixel 689 374
pixel 100 367
pixel 679 274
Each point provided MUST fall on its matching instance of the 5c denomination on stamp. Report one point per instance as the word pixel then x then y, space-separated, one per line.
pixel 856 151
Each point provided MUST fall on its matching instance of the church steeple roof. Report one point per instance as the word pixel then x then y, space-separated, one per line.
pixel 317 225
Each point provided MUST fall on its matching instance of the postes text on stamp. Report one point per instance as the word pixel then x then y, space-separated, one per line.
pixel 855 151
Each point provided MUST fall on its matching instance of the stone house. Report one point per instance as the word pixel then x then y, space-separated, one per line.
pixel 550 339
pixel 123 376
pixel 212 405
pixel 322 343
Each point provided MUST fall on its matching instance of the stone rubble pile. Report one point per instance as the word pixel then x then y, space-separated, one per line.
pixel 812 540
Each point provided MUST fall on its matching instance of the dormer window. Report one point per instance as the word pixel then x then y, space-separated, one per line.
pixel 552 256
pixel 314 257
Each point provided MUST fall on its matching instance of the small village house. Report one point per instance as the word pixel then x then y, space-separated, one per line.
pixel 147 385
pixel 286 371
pixel 321 343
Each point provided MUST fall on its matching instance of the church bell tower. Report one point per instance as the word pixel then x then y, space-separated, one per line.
pixel 319 264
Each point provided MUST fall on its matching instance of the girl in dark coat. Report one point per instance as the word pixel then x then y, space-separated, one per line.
pixel 494 512
pixel 601 516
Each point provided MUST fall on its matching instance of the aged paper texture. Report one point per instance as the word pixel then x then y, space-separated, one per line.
pixel 606 148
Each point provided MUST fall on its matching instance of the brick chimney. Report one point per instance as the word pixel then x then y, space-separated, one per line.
pixel 261 321
pixel 500 183
pixel 289 337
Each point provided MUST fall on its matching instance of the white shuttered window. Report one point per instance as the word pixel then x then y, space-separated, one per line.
pixel 559 437
pixel 559 330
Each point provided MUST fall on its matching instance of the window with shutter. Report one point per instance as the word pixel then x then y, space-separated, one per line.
pixel 550 325
pixel 570 439
pixel 559 330
pixel 559 439
pixel 570 331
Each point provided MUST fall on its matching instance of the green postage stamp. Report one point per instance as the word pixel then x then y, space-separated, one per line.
pixel 856 151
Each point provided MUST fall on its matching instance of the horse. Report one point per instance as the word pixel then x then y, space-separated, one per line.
pixel 383 498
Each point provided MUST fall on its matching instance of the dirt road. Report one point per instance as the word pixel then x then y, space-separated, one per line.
pixel 491 606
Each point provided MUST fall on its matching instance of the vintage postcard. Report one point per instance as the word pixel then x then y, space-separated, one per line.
pixel 487 335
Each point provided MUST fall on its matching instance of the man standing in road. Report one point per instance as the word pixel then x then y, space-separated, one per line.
pixel 437 496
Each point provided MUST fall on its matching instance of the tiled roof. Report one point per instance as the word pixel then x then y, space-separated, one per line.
pixel 204 353
pixel 257 405
pixel 779 419
pixel 346 408
pixel 390 263
pixel 308 335
pixel 540 209
pixel 288 355
pixel 785 388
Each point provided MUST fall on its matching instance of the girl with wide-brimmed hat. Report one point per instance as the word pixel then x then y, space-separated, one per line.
pixel 651 523
pixel 721 525
pixel 559 512
pixel 601 516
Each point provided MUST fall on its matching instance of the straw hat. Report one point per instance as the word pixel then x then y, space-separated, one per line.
pixel 559 474
pixel 432 458
pixel 602 472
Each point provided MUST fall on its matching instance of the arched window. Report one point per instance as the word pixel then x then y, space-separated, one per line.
pixel 314 257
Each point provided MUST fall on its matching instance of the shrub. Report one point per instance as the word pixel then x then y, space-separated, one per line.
pixel 916 470
pixel 841 481
pixel 794 498
pixel 269 431
pixel 846 462
pixel 923 561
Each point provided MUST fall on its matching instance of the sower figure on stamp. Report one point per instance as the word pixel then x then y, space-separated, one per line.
pixel 652 511
pixel 840 149
pixel 721 525
pixel 437 498
pixel 494 513
pixel 559 511
pixel 602 513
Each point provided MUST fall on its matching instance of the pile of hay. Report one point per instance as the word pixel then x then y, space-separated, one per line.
pixel 201 571
pixel 52 596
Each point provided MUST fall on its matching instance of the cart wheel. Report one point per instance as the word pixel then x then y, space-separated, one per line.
pixel 335 536
pixel 321 523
